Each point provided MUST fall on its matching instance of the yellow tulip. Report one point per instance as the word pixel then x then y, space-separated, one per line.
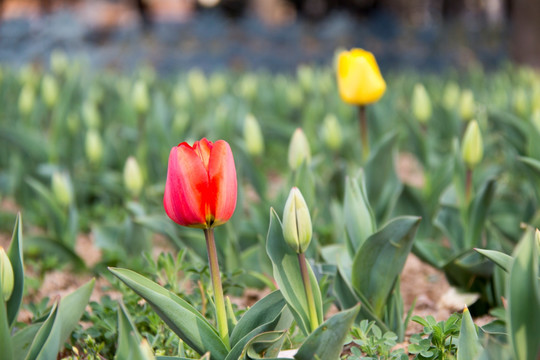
pixel 359 79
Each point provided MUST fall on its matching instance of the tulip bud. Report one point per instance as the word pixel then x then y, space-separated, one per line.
pixel 253 137
pixel 6 275
pixel 218 84
pixel 535 101
pixel 451 95
pixel 133 178
pixel 29 76
pixel 59 62
pixel 73 123
pixel 49 90
pixel 61 188
pixel 472 147
pixel 140 97
pixel 146 350
pixel 197 84
pixel 520 102
pixel 180 123
pixel 305 77
pixel 331 132
pixel 295 95
pixel 94 147
pixel 299 150
pixel 467 105
pixel 91 115
pixel 297 228
pixel 180 97
pixel 421 104
pixel 26 100
pixel 248 86
pixel 536 119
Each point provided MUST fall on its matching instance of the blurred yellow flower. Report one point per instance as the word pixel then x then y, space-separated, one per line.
pixel 359 79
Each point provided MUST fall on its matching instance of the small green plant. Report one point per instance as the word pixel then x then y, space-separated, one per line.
pixel 373 344
pixel 441 338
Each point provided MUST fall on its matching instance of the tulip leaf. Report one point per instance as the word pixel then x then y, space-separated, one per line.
pixel 359 219
pixel 383 195
pixel 524 300
pixel 380 260
pixel 179 315
pixel 326 342
pixel 469 347
pixel 477 214
pixel 286 270
pixel 23 338
pixel 50 338
pixel 263 346
pixel 15 254
pixel 503 260
pixel 129 339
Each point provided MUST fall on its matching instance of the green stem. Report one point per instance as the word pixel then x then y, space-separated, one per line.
pixel 468 186
pixel 313 317
pixel 221 314
pixel 363 131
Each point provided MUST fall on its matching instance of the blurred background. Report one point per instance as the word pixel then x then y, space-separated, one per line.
pixel 276 35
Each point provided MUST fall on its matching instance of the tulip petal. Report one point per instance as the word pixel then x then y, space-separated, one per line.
pixel 186 187
pixel 222 187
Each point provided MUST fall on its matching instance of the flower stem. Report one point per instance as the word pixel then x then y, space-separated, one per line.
pixel 363 131
pixel 313 318
pixel 221 314
pixel 468 186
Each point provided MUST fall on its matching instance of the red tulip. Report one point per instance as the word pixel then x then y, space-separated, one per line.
pixel 201 184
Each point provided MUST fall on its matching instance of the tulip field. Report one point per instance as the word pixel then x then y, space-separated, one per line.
pixel 254 215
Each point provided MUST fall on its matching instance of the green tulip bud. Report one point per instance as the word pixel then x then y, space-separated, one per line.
pixel 305 77
pixel 146 350
pixel 253 136
pixel 26 100
pixel 218 84
pixel 180 97
pixel 29 76
pixel 535 101
pixel 472 147
pixel 73 123
pixel 451 95
pixel 421 104
pixel 59 62
pixel 133 178
pixel 295 95
pixel 91 115
pixel 197 84
pixel 62 189
pixel 180 123
pixel 331 132
pixel 297 228
pixel 94 147
pixel 520 102
pixel 535 119
pixel 248 86
pixel 299 150
pixel 140 97
pixel 467 105
pixel 49 90
pixel 6 275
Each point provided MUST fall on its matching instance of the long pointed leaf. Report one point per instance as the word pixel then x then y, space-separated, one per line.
pixel 359 219
pixel 503 260
pixel 129 339
pixel 15 254
pixel 478 211
pixel 179 315
pixel 469 347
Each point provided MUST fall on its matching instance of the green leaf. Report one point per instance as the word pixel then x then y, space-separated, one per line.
pixel 64 318
pixel 533 163
pixel 179 315
pixel 42 334
pixel 380 260
pixel 287 274
pixel 23 338
pixel 267 343
pixel 501 259
pixel 5 333
pixel 524 300
pixel 359 219
pixel 129 339
pixel 15 254
pixel 326 342
pixel 469 347
pixel 477 214
pixel 383 195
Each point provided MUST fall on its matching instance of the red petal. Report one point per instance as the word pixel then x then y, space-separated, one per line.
pixel 222 173
pixel 187 183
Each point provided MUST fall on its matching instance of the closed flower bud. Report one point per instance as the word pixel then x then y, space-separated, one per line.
pixel 26 100
pixel 305 77
pixel 331 132
pixel 180 123
pixel 536 119
pixel 421 104
pixel 140 97
pixel 520 102
pixel 180 97
pixel 133 178
pixel 218 84
pixel 61 188
pixel 73 123
pixel 247 86
pixel 472 149
pixel 295 95
pixel 197 84
pixel 299 150
pixel 146 350
pixel 91 115
pixel 49 90
pixel 59 62
pixel 94 147
pixel 359 79
pixel 253 137
pixel 297 229
pixel 467 105
pixel 6 275
pixel 451 96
